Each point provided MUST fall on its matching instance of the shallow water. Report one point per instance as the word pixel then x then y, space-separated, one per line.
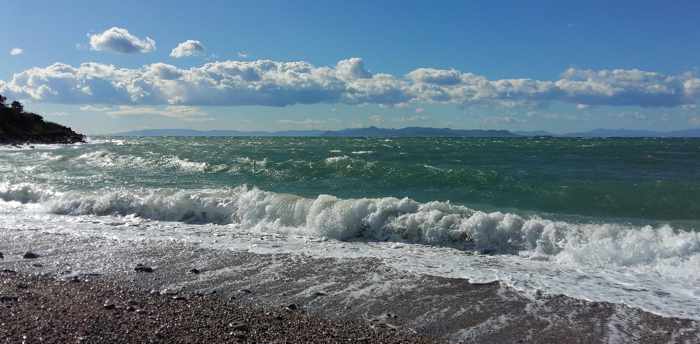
pixel 607 220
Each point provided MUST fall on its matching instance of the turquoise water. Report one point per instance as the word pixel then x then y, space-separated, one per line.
pixel 652 179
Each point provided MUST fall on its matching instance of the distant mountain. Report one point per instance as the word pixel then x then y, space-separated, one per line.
pixel 217 133
pixel 534 133
pixel 635 133
pixel 355 132
pixel 411 132
pixel 417 132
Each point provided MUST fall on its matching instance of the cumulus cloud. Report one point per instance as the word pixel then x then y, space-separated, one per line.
pixel 119 40
pixel 186 113
pixel 306 123
pixel 274 83
pixel 16 51
pixel 188 48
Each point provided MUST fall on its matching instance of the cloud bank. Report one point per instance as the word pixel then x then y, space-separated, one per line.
pixel 119 40
pixel 16 51
pixel 273 83
pixel 188 48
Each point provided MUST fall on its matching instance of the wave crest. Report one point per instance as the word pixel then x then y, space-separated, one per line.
pixel 384 219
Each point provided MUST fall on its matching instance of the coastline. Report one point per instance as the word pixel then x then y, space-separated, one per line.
pixel 353 296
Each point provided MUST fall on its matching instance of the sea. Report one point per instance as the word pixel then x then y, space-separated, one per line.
pixel 610 220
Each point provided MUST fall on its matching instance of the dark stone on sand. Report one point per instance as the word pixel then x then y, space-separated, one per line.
pixel 130 308
pixel 194 271
pixel 238 326
pixel 179 298
pixel 2 256
pixel 109 305
pixel 30 255
pixel 292 307
pixel 246 291
pixel 8 298
pixel 37 265
pixel 9 272
pixel 319 293
pixel 143 268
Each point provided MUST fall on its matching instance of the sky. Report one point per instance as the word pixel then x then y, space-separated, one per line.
pixel 112 66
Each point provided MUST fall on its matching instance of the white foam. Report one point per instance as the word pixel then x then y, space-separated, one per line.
pixel 654 268
pixel 387 219
pixel 107 159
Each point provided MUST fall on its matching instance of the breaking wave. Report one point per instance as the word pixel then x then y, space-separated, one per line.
pixel 105 159
pixel 386 219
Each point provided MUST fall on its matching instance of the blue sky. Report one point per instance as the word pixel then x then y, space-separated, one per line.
pixel 482 64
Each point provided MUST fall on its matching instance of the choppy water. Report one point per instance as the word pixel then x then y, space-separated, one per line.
pixel 606 219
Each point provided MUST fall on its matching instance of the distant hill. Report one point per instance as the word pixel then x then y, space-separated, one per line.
pixel 355 132
pixel 19 127
pixel 417 132
pixel 410 132
pixel 217 133
pixel 534 133
pixel 635 133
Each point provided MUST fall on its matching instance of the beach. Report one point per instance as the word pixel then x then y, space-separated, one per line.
pixel 97 290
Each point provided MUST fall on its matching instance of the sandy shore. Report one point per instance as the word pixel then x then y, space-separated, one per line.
pixel 93 310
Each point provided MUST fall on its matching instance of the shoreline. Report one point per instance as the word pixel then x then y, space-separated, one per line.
pixel 360 291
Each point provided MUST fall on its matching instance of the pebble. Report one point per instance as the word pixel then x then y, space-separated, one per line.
pixel 8 298
pixel 2 256
pixel 292 307
pixel 143 268
pixel 169 292
pixel 238 326
pixel 109 305
pixel 30 255
pixel 195 271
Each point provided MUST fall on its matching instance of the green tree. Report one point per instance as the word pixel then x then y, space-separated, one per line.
pixel 17 107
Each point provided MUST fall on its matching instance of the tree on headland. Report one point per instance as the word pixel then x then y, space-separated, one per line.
pixel 18 126
pixel 17 107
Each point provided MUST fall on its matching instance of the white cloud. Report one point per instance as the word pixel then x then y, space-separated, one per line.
pixel 273 83
pixel 414 118
pixel 16 51
pixel 188 48
pixel 243 54
pixel 185 113
pixel 119 40
pixel 93 108
pixel 695 120
pixel 306 123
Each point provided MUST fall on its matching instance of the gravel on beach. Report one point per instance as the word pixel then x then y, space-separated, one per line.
pixel 91 309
